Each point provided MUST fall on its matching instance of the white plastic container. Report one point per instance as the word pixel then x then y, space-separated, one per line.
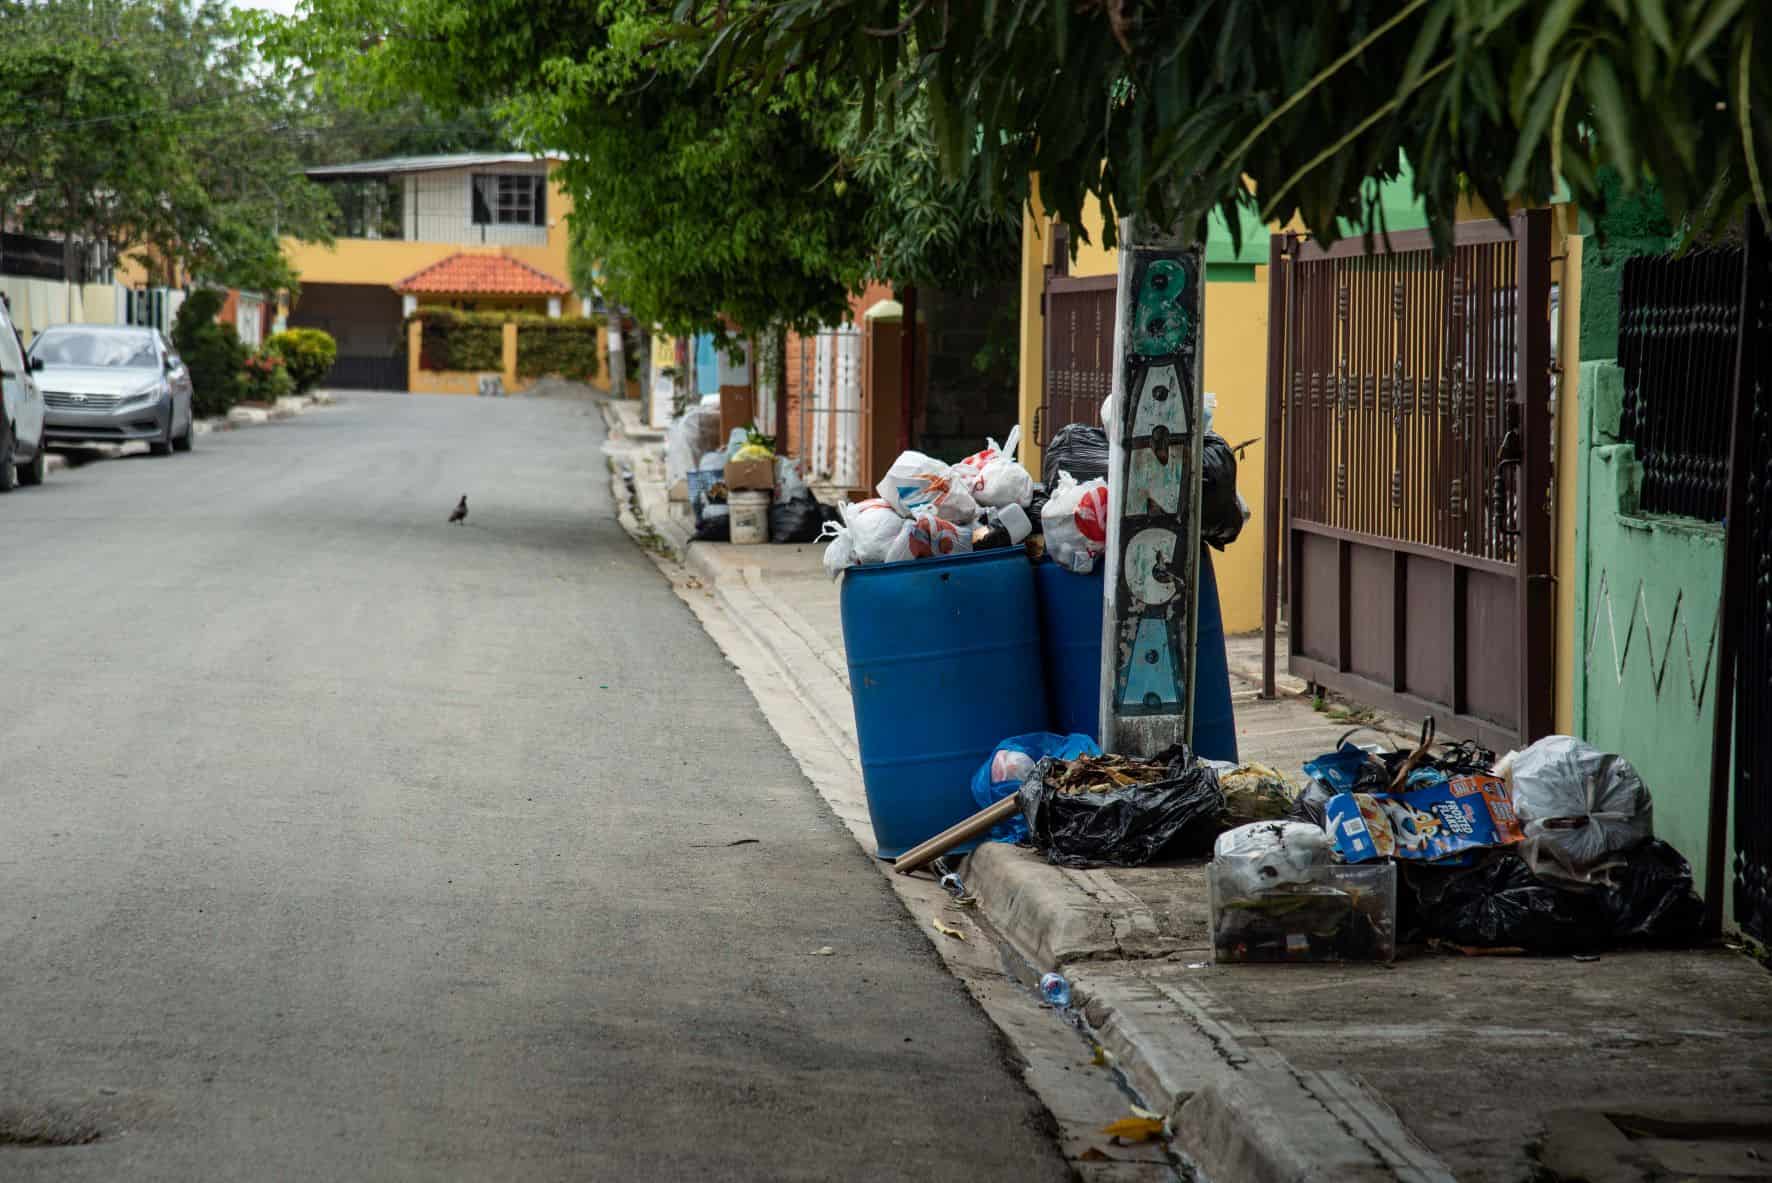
pixel 750 515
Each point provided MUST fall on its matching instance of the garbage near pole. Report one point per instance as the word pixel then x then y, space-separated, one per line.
pixel 1121 810
pixel 1548 851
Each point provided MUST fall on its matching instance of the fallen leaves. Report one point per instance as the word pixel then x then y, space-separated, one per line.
pixel 1142 1126
pixel 948 930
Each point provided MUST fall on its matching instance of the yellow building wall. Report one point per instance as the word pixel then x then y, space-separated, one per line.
pixel 1235 367
pixel 422 381
pixel 384 261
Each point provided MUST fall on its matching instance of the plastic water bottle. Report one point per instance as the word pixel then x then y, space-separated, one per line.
pixel 1055 990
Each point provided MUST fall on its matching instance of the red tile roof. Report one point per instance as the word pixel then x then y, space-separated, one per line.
pixel 482 275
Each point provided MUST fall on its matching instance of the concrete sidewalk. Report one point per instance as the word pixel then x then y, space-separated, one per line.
pixel 1437 1067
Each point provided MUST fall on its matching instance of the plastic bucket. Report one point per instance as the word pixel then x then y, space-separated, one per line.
pixel 750 515
pixel 944 662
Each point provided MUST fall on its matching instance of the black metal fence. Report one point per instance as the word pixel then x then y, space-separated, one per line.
pixel 1753 670
pixel 367 373
pixel 1677 327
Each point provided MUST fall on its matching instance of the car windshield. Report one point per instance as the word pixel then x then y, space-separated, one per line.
pixel 126 350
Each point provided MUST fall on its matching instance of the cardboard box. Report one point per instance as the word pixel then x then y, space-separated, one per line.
pixel 750 474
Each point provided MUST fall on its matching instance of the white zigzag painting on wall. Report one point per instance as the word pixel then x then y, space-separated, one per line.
pixel 1697 675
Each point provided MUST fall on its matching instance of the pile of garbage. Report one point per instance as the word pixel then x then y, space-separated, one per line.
pixel 747 463
pixel 1548 850
pixel 928 509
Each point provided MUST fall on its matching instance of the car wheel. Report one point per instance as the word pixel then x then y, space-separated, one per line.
pixel 163 445
pixel 32 473
pixel 8 473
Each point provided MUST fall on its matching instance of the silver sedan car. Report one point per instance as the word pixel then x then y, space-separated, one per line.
pixel 113 384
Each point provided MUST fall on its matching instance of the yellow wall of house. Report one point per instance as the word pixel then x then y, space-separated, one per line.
pixel 1235 371
pixel 1568 274
pixel 535 305
pixel 384 261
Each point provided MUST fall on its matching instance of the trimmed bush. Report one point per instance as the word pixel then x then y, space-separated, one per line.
pixel 308 354
pixel 464 341
pixel 212 352
pixel 567 348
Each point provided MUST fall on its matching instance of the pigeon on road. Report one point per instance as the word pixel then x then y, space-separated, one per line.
pixel 460 512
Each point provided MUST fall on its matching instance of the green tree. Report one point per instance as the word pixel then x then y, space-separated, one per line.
pixel 1170 109
pixel 211 351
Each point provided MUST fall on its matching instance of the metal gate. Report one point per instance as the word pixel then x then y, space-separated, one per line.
pixel 1414 395
pixel 1079 352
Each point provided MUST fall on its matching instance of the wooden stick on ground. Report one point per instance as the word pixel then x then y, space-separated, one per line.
pixel 926 852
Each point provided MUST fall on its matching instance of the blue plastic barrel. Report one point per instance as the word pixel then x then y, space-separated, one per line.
pixel 944 661
pixel 1070 624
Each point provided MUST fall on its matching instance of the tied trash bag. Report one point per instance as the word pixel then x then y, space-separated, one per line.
pixel 840 551
pixel 1001 479
pixel 1010 764
pixel 1652 900
pixel 1222 512
pixel 927 536
pixel 916 481
pixel 1075 522
pixel 1078 449
pixel 1111 809
pixel 1500 904
pixel 800 519
pixel 1261 855
pixel 873 527
pixel 1580 807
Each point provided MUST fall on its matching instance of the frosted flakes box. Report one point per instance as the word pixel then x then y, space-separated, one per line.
pixel 1440 821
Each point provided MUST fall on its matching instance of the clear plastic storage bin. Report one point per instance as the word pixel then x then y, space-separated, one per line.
pixel 1345 913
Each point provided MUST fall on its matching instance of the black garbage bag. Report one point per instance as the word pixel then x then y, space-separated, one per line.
pixel 1035 525
pixel 1500 904
pixel 1078 449
pixel 713 522
pixel 1175 817
pixel 1652 900
pixel 1221 514
pixel 796 520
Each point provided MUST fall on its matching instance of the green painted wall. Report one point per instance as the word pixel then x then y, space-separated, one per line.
pixel 1633 224
pixel 1647 592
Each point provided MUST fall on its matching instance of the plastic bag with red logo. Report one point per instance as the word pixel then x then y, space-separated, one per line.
pixel 1075 520
pixel 927 536
pixel 916 481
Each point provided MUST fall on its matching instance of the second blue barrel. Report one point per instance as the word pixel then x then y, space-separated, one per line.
pixel 1070 619
pixel 944 661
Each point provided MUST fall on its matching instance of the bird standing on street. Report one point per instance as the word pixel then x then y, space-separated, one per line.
pixel 460 513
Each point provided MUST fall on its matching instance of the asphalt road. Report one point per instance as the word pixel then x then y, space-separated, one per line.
pixel 340 843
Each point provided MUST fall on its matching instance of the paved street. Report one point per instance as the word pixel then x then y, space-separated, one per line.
pixel 340 843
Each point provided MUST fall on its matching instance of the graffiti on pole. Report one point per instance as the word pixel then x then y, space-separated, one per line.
pixel 1154 490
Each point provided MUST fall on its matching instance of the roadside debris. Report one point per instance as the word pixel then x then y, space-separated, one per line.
pixel 947 930
pixel 1122 810
pixel 1055 990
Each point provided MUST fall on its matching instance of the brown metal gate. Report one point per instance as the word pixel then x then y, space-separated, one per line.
pixel 1414 396
pixel 1079 352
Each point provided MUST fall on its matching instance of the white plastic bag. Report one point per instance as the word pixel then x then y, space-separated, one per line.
pixel 1002 480
pixel 1075 521
pixel 873 525
pixel 1261 855
pixel 788 484
pixel 840 552
pixel 1580 807
pixel 916 481
pixel 687 439
pixel 926 535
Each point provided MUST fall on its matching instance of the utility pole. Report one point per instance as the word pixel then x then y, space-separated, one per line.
pixel 1153 535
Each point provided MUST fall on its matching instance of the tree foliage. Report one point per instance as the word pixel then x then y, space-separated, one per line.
pixel 1169 109
pixel 152 124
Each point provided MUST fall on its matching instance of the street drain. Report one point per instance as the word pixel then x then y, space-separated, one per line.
pixel 41 1127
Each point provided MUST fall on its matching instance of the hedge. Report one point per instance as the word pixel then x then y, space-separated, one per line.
pixel 474 342
pixel 567 348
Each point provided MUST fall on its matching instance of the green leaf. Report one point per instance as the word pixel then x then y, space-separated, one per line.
pixel 1716 18
pixel 1612 115
pixel 1534 126
pixel 1652 15
pixel 1557 16
pixel 1744 115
